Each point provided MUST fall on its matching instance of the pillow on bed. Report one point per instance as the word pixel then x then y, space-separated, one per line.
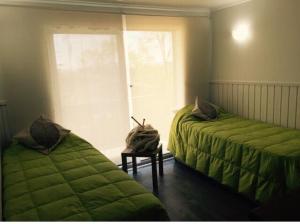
pixel 218 109
pixel 43 135
pixel 204 110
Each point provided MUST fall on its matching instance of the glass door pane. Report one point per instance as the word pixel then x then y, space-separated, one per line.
pixel 151 69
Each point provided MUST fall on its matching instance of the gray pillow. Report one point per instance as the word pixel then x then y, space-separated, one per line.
pixel 204 110
pixel 43 135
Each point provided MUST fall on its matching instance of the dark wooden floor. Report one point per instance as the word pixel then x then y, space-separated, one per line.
pixel 190 196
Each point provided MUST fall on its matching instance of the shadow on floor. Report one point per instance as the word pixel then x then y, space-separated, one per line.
pixel 190 196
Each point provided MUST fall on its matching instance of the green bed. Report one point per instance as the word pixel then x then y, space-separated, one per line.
pixel 254 158
pixel 75 182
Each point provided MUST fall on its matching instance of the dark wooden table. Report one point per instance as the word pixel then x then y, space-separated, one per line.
pixel 153 155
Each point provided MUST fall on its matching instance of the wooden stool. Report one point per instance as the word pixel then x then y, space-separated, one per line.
pixel 130 153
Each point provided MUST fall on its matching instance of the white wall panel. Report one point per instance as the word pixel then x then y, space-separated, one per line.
pixel 284 106
pixel 277 105
pixel 264 102
pixel 272 102
pixel 298 109
pixel 292 107
pixel 251 102
pixel 257 102
pixel 240 99
pixel 235 99
pixel 245 101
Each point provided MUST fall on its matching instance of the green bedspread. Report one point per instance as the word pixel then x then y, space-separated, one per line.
pixel 75 182
pixel 254 158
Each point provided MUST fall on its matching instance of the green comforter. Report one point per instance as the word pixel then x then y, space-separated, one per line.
pixel 75 182
pixel 254 158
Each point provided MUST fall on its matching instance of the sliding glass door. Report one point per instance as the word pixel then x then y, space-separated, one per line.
pixel 151 69
pixel 101 78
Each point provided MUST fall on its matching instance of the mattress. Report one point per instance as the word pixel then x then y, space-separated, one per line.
pixel 254 158
pixel 74 183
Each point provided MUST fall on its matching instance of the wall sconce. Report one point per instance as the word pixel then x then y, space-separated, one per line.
pixel 241 33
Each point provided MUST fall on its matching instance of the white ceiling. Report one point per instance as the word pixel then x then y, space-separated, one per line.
pixel 213 4
pixel 145 7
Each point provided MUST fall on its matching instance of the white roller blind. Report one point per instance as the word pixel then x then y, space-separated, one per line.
pixel 89 91
pixel 94 92
pixel 191 50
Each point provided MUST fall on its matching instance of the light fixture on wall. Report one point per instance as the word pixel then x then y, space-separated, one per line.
pixel 241 33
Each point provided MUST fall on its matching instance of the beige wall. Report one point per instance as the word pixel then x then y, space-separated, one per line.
pixel 2 97
pixel 273 52
pixel 198 59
